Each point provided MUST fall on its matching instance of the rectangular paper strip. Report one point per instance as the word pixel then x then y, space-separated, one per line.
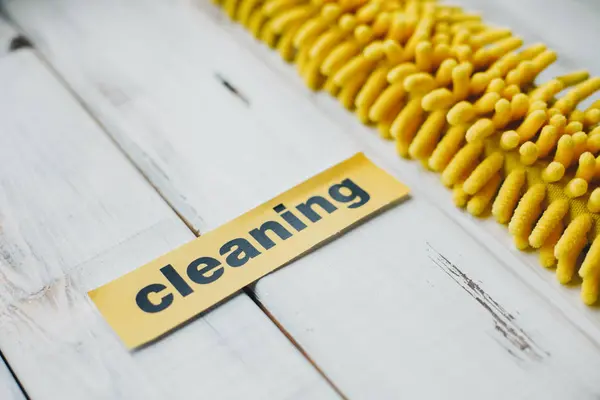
pixel 157 297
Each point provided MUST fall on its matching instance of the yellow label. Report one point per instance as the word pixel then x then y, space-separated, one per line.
pixel 157 297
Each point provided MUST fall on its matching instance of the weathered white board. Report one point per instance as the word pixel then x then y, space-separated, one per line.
pixel 8 38
pixel 74 214
pixel 410 304
pixel 9 390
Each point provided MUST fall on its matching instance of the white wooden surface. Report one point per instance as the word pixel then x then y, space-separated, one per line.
pixel 7 34
pixel 421 302
pixel 75 214
pixel 9 390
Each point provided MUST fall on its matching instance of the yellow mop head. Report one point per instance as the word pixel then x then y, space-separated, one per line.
pixel 459 96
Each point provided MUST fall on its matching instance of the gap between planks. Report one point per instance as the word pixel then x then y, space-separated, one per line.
pixel 10 386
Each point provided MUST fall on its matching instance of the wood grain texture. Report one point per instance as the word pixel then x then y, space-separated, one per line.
pixel 75 214
pixel 420 302
pixel 9 388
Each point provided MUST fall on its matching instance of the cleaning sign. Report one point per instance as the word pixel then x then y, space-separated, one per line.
pixel 157 297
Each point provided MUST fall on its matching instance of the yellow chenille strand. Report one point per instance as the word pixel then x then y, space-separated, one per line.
pixel 590 288
pixel 529 153
pixel 349 91
pixel 480 201
pixel 460 80
pixel 573 127
pixel 591 117
pixel 459 196
pixel 466 100
pixel 570 246
pixel 437 99
pixel 486 103
pixel 384 126
pixel 509 140
pixel 593 203
pixel 371 90
pixel 496 85
pixel 480 130
pixel 419 84
pixel 527 211
pixel 591 264
pixel 358 65
pixel 483 173
pixel 547 91
pixel 447 147
pixel 593 144
pixel 547 140
pixel 428 135
pixel 519 105
pixel 532 51
pixel 577 116
pixel 549 220
pixel 386 101
pixel 531 125
pixel 554 172
pixel 538 105
pixel 488 37
pixel 565 150
pixel 559 121
pixel 462 113
pixel 547 258
pixel 405 126
pixel 587 167
pixel 565 268
pixel 400 72
pixel 573 78
pixel 574 237
pixel 580 142
pixel 443 75
pixel 502 113
pixel 576 187
pixel 338 57
pixel 462 163
pixel 508 196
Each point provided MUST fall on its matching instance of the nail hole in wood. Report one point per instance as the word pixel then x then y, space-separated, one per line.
pixel 19 42
pixel 232 89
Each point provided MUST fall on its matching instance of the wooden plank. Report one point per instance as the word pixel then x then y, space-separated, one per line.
pixel 7 36
pixel 75 214
pixel 410 303
pixel 9 390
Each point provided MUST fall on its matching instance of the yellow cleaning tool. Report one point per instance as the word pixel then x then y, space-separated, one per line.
pixel 463 98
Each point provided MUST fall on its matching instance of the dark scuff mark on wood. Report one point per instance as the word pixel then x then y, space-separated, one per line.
pixel 514 340
pixel 231 88
pixel 19 42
